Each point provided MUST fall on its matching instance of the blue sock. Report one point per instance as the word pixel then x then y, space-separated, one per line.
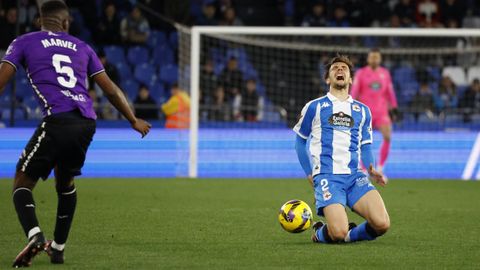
pixel 322 234
pixel 362 232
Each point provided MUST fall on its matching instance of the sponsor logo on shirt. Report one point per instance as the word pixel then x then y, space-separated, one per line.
pixel 341 121
pixel 69 94
pixel 325 105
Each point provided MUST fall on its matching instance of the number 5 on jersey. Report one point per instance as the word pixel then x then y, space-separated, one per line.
pixel 57 60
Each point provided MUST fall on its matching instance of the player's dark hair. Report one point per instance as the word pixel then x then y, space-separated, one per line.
pixel 339 58
pixel 50 8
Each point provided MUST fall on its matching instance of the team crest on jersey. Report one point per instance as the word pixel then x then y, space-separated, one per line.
pixel 327 195
pixel 341 121
pixel 375 86
pixel 356 108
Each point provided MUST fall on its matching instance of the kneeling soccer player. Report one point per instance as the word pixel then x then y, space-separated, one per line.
pixel 339 130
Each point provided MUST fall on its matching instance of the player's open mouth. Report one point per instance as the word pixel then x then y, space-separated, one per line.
pixel 340 78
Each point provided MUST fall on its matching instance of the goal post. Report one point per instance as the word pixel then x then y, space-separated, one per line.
pixel 439 48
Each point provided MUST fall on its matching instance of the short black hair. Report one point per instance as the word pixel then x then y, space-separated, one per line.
pixel 374 50
pixel 338 58
pixel 52 7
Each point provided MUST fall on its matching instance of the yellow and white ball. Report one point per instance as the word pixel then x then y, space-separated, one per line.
pixel 295 216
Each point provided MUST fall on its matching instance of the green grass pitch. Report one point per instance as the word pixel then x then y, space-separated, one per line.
pixel 232 224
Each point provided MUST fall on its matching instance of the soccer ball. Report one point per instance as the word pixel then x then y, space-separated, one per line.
pixel 295 216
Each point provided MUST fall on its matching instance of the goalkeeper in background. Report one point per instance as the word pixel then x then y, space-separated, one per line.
pixel 373 86
pixel 339 134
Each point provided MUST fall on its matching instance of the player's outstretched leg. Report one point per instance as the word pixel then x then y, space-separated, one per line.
pixel 372 208
pixel 67 201
pixel 386 131
pixel 25 208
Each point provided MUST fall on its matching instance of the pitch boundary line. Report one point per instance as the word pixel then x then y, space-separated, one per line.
pixel 472 160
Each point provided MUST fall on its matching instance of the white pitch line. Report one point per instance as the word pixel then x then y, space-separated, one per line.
pixel 472 160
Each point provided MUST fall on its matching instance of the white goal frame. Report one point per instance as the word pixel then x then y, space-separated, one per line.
pixel 195 50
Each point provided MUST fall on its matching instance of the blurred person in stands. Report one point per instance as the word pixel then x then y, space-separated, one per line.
pixel 208 79
pixel 447 98
pixel 219 109
pixel 177 109
pixel 108 28
pixel 452 10
pixel 134 28
pixel 423 102
pixel 373 86
pixel 208 16
pixel 110 69
pixel 249 102
pixel 339 19
pixel 317 17
pixel 145 106
pixel 428 13
pixel 470 101
pixel 8 29
pixel 231 78
pixel 230 18
pixel 405 10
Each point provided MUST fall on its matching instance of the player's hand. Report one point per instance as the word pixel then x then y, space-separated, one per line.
pixel 310 179
pixel 395 115
pixel 142 126
pixel 376 176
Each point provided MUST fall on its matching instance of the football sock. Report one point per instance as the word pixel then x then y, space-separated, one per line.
pixel 25 207
pixel 384 149
pixel 322 235
pixel 67 201
pixel 362 232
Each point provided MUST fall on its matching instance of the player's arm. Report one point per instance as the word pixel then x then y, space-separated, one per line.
pixel 366 150
pixel 302 154
pixel 303 129
pixel 392 101
pixel 118 100
pixel 7 71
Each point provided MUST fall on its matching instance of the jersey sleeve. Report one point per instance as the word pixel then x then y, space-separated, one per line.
pixel 304 126
pixel 15 53
pixel 367 136
pixel 355 91
pixel 391 98
pixel 94 65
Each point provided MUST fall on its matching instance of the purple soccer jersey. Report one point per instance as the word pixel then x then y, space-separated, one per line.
pixel 57 66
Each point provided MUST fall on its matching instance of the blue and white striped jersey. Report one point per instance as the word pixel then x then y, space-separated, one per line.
pixel 336 129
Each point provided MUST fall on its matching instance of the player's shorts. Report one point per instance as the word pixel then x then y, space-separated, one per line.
pixel 61 141
pixel 344 189
pixel 381 119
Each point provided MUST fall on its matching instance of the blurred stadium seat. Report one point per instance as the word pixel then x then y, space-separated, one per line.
pixel 473 73
pixel 156 38
pixel 163 55
pixel 144 73
pixel 115 54
pixel 138 55
pixel 457 74
pixel 131 88
pixel 169 74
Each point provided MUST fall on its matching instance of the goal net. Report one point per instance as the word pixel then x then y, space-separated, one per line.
pixel 248 85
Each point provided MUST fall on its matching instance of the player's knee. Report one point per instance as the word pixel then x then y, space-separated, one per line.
pixel 381 225
pixel 22 180
pixel 338 233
